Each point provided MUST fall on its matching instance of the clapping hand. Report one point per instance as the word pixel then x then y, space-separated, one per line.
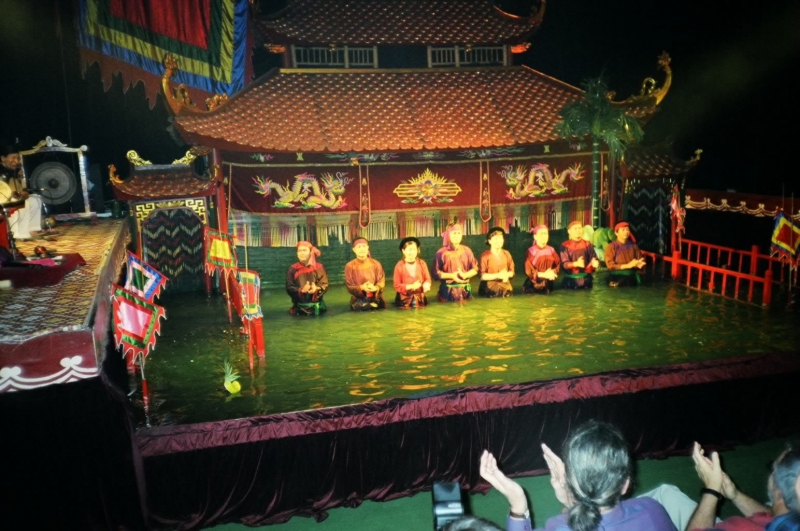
pixel 507 487
pixel 558 476
pixel 708 470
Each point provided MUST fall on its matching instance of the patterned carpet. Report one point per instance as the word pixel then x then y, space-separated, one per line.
pixel 29 312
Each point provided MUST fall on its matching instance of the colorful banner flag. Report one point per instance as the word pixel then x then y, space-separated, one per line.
pixel 220 252
pixel 143 280
pixel 678 213
pixel 250 283
pixel 208 37
pixel 785 237
pixel 136 323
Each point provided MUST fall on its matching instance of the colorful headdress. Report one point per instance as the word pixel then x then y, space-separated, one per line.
pixel 446 234
pixel 314 252
pixel 621 225
pixel 537 228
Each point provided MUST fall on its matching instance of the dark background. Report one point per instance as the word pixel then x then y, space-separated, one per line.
pixel 732 93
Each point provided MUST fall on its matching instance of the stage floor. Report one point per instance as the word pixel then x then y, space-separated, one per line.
pixel 347 358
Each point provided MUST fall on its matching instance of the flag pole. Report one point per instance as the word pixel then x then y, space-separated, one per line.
pixel 145 393
pixel 790 301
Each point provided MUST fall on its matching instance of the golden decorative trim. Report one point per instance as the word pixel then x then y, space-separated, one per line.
pixel 650 95
pixel 215 101
pixel 112 174
pixel 142 210
pixel 724 206
pixel 694 160
pixel 136 160
pixel 178 100
pixel 409 163
pixel 187 159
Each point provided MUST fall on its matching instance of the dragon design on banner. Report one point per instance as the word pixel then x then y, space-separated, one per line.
pixel 306 192
pixel 539 180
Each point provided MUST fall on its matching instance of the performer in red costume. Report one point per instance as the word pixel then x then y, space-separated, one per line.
pixel 411 276
pixel 542 263
pixel 578 258
pixel 365 279
pixel 307 282
pixel 624 259
pixel 454 266
pixel 497 266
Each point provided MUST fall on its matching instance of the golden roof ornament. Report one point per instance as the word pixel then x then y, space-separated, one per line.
pixel 650 95
pixel 179 100
pixel 136 160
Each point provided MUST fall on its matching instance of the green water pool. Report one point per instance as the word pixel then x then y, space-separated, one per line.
pixel 346 357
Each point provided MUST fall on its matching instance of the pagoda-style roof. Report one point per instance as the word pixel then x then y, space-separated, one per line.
pixel 161 181
pixel 395 22
pixel 337 110
pixel 656 161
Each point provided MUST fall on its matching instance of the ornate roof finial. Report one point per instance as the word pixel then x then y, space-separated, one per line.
pixel 650 95
pixel 179 100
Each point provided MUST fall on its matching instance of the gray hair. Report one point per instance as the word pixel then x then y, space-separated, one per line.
pixel 784 474
pixel 598 465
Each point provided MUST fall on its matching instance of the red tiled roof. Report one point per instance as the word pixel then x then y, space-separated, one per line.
pixel 162 182
pixel 655 161
pixel 374 22
pixel 379 110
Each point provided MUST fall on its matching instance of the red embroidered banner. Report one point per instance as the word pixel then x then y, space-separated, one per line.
pixel 299 190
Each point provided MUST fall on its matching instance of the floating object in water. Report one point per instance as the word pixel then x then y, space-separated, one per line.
pixel 231 376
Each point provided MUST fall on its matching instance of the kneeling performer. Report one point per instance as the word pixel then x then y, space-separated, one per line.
pixel 307 281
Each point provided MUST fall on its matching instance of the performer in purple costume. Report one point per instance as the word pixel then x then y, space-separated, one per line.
pixel 578 258
pixel 542 263
pixel 454 266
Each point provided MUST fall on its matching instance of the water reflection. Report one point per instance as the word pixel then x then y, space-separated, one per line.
pixel 346 357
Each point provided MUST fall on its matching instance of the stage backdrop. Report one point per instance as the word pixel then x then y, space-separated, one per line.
pixel 387 199
pixel 209 38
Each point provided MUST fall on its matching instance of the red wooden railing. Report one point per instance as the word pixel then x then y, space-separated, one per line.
pixel 738 260
pixel 728 272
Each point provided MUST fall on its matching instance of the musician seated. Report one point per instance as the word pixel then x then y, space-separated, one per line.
pixel 22 220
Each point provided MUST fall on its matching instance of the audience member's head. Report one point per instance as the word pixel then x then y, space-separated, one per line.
pixel 598 468
pixel 784 477
pixel 471 523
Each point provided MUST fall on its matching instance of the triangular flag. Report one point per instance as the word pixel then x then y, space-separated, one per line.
pixel 220 252
pixel 785 237
pixel 136 323
pixel 250 283
pixel 143 280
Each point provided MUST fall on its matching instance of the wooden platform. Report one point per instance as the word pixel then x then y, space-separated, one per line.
pixel 57 334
